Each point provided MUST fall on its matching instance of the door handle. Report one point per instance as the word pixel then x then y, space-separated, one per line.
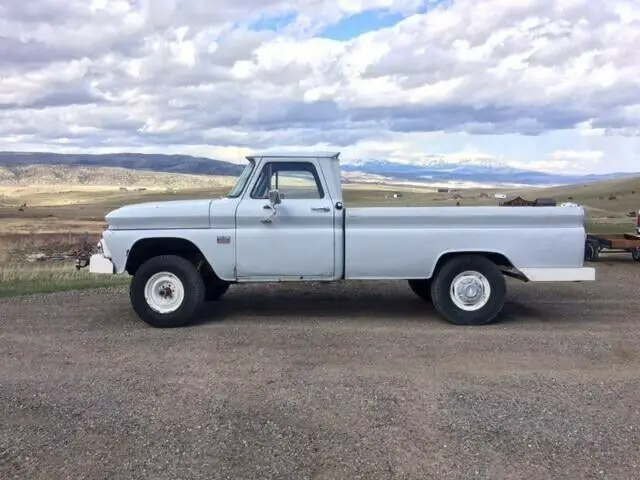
pixel 320 209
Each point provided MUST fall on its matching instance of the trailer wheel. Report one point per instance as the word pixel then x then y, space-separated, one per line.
pixel 635 254
pixel 469 290
pixel 591 251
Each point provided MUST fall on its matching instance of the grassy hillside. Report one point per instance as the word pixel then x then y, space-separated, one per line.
pixel 608 204
pixel 613 195
pixel 55 176
pixel 58 186
pixel 135 161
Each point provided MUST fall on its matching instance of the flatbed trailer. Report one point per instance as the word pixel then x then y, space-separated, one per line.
pixel 612 242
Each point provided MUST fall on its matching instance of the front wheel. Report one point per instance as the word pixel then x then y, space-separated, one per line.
pixel 167 291
pixel 635 254
pixel 469 290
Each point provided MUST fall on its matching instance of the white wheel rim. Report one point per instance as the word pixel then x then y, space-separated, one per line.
pixel 164 292
pixel 470 291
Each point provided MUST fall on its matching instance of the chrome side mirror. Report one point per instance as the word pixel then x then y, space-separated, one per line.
pixel 274 197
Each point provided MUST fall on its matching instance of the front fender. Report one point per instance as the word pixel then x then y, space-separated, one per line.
pixel 216 245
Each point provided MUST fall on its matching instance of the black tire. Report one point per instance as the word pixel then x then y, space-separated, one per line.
pixel 591 251
pixel 442 299
pixel 635 254
pixel 422 288
pixel 192 285
pixel 215 290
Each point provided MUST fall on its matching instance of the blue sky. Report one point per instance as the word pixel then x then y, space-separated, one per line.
pixel 544 84
pixel 361 23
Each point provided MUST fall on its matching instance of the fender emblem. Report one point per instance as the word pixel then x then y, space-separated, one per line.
pixel 224 239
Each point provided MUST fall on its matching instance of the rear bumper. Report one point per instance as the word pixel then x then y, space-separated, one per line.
pixel 98 263
pixel 581 274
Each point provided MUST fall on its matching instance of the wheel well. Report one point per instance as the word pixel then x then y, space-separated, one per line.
pixel 499 259
pixel 144 249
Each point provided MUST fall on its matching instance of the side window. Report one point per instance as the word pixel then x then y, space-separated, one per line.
pixel 294 180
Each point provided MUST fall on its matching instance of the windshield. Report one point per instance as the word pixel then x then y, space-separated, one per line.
pixel 242 180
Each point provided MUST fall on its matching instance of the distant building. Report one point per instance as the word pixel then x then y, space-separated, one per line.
pixel 523 202
pixel 516 202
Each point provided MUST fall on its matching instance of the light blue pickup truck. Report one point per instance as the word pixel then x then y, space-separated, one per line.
pixel 284 220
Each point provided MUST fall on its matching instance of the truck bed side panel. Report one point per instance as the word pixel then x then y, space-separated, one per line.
pixel 406 242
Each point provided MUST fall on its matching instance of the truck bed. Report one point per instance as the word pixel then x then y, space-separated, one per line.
pixel 406 242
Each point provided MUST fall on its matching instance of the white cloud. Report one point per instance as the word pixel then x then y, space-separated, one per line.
pixel 569 161
pixel 158 74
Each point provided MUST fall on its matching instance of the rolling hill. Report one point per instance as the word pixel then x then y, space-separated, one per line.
pixel 608 196
pixel 34 175
pixel 432 170
pixel 134 161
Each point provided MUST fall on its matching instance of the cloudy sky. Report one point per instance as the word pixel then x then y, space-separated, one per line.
pixel 551 84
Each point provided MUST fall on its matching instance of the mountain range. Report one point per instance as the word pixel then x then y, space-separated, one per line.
pixel 471 172
pixel 432 170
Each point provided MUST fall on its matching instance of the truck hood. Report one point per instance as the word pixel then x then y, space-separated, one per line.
pixel 161 215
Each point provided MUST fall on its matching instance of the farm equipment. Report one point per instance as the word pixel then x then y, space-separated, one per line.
pixel 612 242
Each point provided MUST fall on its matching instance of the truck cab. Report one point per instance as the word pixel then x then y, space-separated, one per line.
pixel 289 219
pixel 285 220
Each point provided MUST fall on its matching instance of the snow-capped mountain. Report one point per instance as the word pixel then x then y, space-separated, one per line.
pixel 470 172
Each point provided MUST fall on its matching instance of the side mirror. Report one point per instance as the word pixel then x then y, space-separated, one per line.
pixel 274 197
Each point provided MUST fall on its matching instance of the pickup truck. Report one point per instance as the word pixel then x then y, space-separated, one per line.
pixel 285 220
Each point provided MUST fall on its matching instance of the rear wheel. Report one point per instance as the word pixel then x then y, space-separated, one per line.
pixel 422 288
pixel 167 291
pixel 469 290
pixel 635 254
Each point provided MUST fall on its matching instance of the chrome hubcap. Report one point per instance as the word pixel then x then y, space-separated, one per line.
pixel 470 291
pixel 164 292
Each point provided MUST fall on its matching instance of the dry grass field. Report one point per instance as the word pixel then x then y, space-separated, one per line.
pixel 42 225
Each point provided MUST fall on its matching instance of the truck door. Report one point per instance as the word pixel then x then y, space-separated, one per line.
pixel 298 241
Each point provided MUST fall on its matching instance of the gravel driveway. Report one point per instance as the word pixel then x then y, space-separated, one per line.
pixel 358 380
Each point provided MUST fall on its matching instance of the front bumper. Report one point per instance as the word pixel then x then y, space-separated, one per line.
pixel 98 263
pixel 97 258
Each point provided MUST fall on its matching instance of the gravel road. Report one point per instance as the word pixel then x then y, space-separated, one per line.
pixel 358 380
